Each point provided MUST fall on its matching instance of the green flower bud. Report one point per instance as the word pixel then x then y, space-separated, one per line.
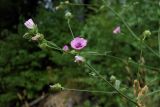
pixel 68 15
pixel 113 78
pixel 56 87
pixel 146 34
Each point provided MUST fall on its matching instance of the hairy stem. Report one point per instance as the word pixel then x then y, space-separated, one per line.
pixel 68 22
pixel 159 37
pixel 90 91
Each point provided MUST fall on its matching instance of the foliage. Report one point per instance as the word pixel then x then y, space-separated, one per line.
pixel 26 71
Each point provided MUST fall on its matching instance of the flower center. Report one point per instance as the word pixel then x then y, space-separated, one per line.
pixel 78 45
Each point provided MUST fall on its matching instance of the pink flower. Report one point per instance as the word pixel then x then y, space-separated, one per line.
pixel 65 48
pixel 79 59
pixel 78 43
pixel 29 24
pixel 117 30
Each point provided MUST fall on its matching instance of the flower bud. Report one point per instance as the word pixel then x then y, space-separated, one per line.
pixel 68 15
pixel 56 87
pixel 65 48
pixel 30 24
pixel 113 78
pixel 117 30
pixel 147 32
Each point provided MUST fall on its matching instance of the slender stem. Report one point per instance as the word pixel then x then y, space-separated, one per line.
pixel 68 22
pixel 149 48
pixel 53 44
pixel 90 91
pixel 54 48
pixel 108 83
pixel 140 58
pixel 95 53
pixel 159 37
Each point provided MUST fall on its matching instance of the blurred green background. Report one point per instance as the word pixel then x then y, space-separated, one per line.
pixel 26 71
